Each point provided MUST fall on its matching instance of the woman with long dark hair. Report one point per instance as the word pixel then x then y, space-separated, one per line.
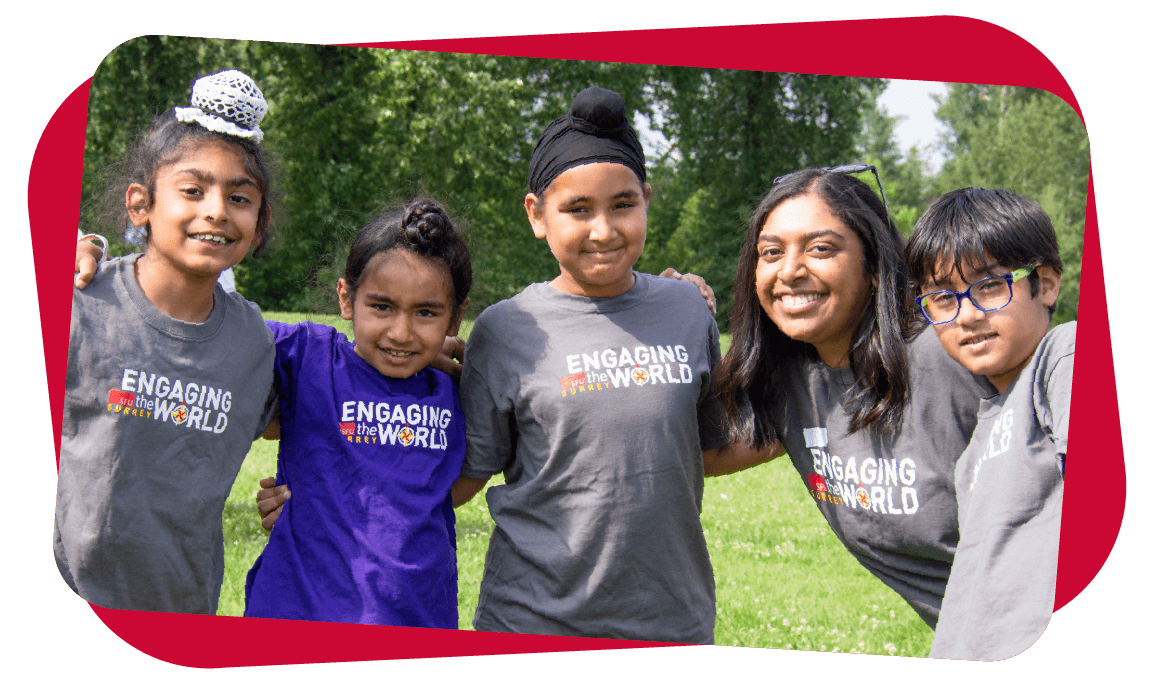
pixel 827 358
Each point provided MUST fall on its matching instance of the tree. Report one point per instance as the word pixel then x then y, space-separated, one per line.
pixel 732 132
pixel 352 130
pixel 903 178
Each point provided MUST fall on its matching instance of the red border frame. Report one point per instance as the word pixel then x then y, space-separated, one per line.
pixel 987 54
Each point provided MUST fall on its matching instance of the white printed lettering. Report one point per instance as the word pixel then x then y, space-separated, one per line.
pixel 889 471
pixel 890 503
pixel 906 471
pixel 909 507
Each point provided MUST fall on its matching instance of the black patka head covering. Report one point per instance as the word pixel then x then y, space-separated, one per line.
pixel 595 130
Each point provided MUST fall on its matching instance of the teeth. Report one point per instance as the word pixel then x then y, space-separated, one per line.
pixel 799 300
pixel 977 339
pixel 216 239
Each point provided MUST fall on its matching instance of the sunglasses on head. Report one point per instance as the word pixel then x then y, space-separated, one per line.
pixel 850 169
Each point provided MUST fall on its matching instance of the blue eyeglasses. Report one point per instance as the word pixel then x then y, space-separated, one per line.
pixel 989 294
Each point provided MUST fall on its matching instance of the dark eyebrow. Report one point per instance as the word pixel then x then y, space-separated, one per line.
pixel 630 194
pixel 977 273
pixel 430 304
pixel 809 237
pixel 202 176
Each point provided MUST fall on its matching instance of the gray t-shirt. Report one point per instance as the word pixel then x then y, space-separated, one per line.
pixel 596 411
pixel 158 416
pixel 889 499
pixel 1010 481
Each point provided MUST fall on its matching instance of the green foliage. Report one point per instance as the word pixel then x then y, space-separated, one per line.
pixel 731 133
pixel 354 129
pixel 903 178
pixel 1029 142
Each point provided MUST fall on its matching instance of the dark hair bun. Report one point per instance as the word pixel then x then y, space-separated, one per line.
pixel 422 227
pixel 425 221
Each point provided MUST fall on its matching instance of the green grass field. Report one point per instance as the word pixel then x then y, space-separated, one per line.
pixel 783 580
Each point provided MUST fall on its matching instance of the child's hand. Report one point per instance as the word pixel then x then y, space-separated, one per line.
pixel 88 254
pixel 450 357
pixel 706 291
pixel 270 500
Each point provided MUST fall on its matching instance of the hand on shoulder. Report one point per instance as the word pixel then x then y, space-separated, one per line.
pixel 703 287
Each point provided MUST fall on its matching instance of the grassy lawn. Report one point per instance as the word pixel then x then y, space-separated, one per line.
pixel 783 580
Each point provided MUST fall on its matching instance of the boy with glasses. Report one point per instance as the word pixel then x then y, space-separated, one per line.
pixel 987 267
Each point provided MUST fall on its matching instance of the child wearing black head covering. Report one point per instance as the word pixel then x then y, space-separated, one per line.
pixel 597 410
pixel 595 129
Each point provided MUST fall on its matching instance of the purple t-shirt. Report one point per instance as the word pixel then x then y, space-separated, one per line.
pixel 369 534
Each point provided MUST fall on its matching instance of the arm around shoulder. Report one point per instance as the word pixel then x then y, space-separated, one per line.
pixel 464 489
pixel 736 457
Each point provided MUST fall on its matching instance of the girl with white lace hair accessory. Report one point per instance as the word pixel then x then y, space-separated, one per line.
pixel 168 375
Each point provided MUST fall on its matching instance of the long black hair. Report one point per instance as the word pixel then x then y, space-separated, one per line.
pixel 752 374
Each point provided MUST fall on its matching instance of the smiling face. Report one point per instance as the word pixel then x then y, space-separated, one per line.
pixel 594 218
pixel 203 214
pixel 811 278
pixel 401 312
pixel 996 344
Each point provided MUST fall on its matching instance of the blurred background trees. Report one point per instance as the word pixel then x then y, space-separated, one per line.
pixel 354 129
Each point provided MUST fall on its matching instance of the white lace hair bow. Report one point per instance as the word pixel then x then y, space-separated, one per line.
pixel 228 102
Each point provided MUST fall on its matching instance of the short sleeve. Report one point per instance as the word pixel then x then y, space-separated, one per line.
pixel 289 346
pixel 490 425
pixel 711 423
pixel 1059 406
pixel 269 412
